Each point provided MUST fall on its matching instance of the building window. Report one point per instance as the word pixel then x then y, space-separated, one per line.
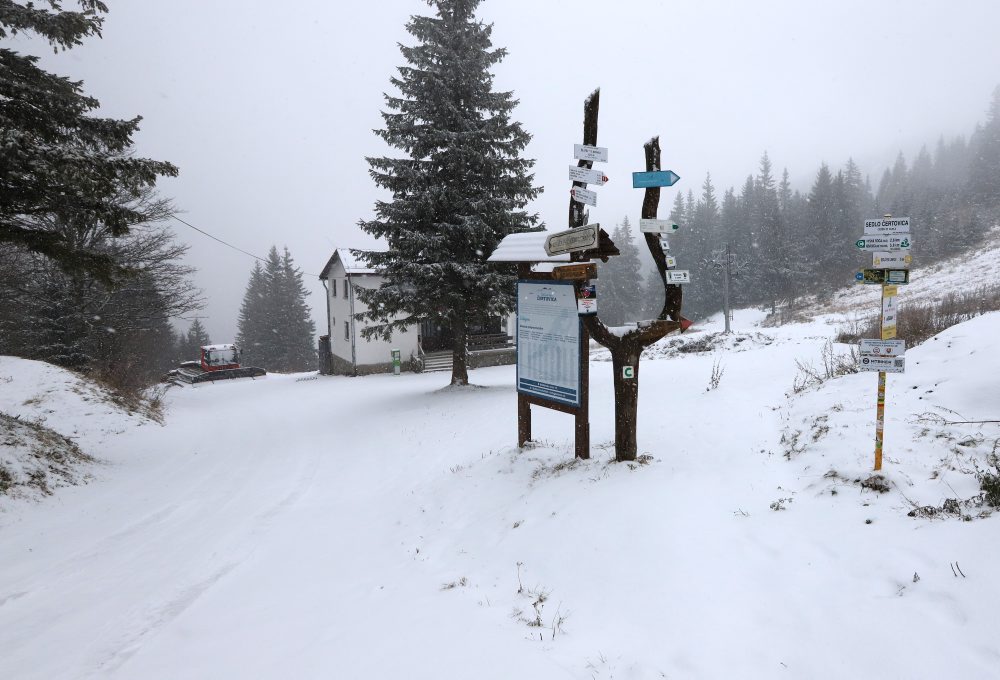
pixel 347 330
pixel 345 289
pixel 333 287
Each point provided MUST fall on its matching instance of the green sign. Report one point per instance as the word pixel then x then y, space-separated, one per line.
pixel 396 361
pixel 628 372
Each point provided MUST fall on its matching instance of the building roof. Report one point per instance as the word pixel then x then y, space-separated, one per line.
pixel 527 247
pixel 352 264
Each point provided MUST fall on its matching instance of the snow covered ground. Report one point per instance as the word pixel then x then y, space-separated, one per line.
pixel 384 527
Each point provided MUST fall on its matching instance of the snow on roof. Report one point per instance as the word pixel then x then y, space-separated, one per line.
pixel 352 264
pixel 217 348
pixel 529 247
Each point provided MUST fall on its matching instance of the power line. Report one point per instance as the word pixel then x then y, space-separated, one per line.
pixel 229 245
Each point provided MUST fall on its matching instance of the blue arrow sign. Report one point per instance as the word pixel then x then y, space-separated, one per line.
pixel 662 178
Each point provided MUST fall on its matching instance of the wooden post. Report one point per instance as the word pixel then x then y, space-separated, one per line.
pixel 880 404
pixel 583 413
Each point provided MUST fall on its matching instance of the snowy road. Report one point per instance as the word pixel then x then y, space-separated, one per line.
pixel 289 528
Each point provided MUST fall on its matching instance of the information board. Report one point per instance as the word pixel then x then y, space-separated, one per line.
pixel 548 341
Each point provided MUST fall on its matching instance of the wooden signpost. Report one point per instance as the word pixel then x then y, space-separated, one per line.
pixel 885 354
pixel 557 309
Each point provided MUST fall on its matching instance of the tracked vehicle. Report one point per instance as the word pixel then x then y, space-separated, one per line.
pixel 218 362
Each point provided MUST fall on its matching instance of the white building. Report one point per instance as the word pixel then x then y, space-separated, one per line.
pixel 430 344
pixel 351 353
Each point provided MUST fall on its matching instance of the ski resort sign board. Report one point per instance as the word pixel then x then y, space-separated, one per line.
pixel 888 225
pixel 572 240
pixel 585 152
pixel 678 276
pixel 587 175
pixel 548 341
pixel 885 242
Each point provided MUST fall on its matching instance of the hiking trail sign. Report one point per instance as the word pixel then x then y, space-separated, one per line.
pixel 656 178
pixel 882 242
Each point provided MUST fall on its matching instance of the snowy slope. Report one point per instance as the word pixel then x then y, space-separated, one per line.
pixel 384 527
pixel 53 424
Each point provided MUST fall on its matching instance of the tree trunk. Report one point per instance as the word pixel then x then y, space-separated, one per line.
pixel 459 366
pixel 626 403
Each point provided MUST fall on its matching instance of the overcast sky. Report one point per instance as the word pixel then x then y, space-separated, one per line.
pixel 268 108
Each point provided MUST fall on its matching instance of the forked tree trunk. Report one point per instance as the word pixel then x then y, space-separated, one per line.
pixel 627 349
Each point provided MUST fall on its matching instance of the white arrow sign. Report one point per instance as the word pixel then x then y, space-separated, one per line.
pixel 885 242
pixel 572 240
pixel 586 175
pixel 657 226
pixel 888 225
pixel 679 276
pixel 590 153
pixel 584 196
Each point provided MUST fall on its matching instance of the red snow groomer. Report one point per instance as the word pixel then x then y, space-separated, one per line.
pixel 218 362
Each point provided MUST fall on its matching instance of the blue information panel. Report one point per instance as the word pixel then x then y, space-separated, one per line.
pixel 548 341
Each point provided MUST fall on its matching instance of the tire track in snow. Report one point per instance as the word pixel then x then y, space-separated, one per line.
pixel 157 617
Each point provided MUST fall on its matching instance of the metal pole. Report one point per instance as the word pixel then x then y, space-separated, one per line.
pixel 725 291
pixel 880 407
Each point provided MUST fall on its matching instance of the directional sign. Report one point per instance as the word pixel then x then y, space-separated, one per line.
pixel 888 225
pixel 879 276
pixel 885 242
pixel 679 276
pixel 660 178
pixel 883 348
pixel 590 153
pixel 897 260
pixel 887 364
pixel 572 240
pixel 657 226
pixel 671 262
pixel 584 196
pixel 586 175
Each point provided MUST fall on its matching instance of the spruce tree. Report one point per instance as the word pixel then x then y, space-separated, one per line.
pixel 460 187
pixel 297 329
pixel 252 336
pixel 62 170
pixel 275 328
pixel 196 338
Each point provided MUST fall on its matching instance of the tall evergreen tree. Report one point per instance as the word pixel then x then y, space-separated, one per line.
pixel 191 342
pixel 253 334
pixel 298 331
pixel 63 171
pixel 460 188
pixel 275 330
